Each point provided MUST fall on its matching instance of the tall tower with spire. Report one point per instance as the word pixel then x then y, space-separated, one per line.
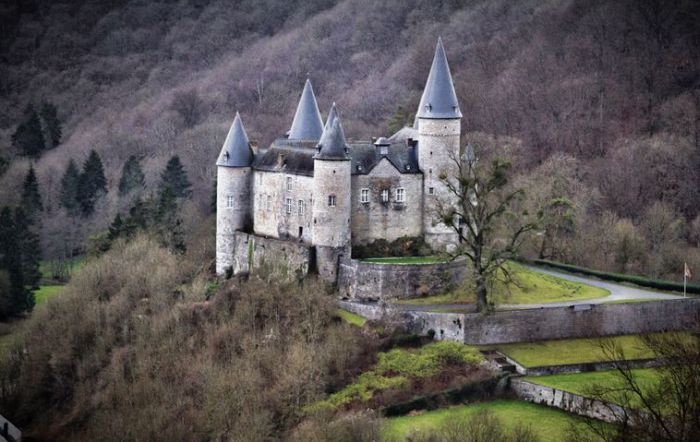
pixel 438 121
pixel 233 192
pixel 332 199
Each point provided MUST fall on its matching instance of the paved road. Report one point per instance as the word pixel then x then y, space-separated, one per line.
pixel 618 292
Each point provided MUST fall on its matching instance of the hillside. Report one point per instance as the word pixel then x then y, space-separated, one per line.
pixel 607 94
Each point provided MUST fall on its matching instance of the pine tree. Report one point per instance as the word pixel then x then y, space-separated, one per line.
pixel 69 187
pixel 28 138
pixel 92 183
pixel 52 126
pixel 17 298
pixel 116 229
pixel 30 249
pixel 174 178
pixel 31 200
pixel 132 176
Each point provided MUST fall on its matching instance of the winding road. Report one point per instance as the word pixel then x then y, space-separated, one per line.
pixel 618 292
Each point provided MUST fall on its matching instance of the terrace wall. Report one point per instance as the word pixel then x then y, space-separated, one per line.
pixel 374 281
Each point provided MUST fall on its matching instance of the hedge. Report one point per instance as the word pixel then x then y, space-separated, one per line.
pixel 619 277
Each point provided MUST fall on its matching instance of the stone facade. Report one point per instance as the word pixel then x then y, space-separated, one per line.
pixel 375 219
pixel 233 211
pixel 278 258
pixel 282 205
pixel 369 281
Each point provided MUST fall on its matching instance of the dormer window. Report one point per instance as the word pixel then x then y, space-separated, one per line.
pixel 384 150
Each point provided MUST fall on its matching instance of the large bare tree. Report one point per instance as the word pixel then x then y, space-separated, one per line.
pixel 481 208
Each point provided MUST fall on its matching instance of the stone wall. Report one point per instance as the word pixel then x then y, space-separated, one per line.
pixel 549 323
pixel 233 197
pixel 369 281
pixel 582 321
pixel 283 259
pixel 573 403
pixel 391 220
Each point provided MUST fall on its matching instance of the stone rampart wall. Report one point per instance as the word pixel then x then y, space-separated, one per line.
pixel 284 259
pixel 370 281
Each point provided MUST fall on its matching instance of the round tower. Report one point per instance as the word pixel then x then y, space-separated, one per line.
pixel 233 193
pixel 332 199
pixel 438 121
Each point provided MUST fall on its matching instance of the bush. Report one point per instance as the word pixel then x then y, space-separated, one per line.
pixel 401 247
pixel 429 360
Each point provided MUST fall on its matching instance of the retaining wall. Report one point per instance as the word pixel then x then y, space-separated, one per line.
pixel 573 403
pixel 282 258
pixel 373 281
pixel 546 323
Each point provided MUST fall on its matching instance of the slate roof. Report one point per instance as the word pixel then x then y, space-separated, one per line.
pixel 404 134
pixel 364 156
pixel 332 145
pixel 439 99
pixel 236 151
pixel 307 123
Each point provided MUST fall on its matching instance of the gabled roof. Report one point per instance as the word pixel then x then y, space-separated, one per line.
pixel 307 123
pixel 439 100
pixel 236 151
pixel 332 145
pixel 365 157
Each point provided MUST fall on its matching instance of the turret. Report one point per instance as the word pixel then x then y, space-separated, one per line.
pixel 438 123
pixel 307 123
pixel 332 199
pixel 233 192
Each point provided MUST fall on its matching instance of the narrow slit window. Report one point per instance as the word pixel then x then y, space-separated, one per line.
pixel 331 200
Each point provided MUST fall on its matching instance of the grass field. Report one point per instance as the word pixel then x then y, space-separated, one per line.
pixel 548 423
pixel 581 383
pixel 351 318
pixel 527 287
pixel 47 268
pixel 45 292
pixel 406 260
pixel 570 351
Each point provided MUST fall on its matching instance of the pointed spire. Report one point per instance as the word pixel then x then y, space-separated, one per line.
pixel 307 124
pixel 439 100
pixel 236 151
pixel 332 145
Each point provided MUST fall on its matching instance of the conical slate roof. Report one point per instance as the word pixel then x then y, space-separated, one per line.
pixel 332 145
pixel 236 151
pixel 439 99
pixel 307 124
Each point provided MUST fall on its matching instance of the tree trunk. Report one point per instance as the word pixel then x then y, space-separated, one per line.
pixel 481 294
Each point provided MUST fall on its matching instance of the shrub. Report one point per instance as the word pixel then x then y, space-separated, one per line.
pixel 429 360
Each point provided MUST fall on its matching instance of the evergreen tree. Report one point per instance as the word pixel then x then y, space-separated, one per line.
pixel 16 297
pixel 52 126
pixel 166 222
pixel 30 250
pixel 31 200
pixel 69 187
pixel 92 183
pixel 132 176
pixel 28 138
pixel 116 229
pixel 174 178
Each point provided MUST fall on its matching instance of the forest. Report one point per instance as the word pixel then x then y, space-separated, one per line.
pixel 596 103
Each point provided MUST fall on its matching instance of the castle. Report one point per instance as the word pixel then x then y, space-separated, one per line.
pixel 315 188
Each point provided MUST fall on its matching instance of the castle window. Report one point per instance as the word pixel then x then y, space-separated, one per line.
pixel 288 206
pixel 364 195
pixel 229 201
pixel 400 195
pixel 384 150
pixel 385 195
pixel 331 200
pixel 268 205
pixel 301 207
pixel 289 184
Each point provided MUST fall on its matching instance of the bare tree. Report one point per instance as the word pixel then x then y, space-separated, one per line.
pixel 482 213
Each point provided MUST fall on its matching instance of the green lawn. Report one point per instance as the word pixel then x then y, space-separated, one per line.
pixel 582 383
pixel 47 268
pixel 406 260
pixel 351 318
pixel 570 351
pixel 527 287
pixel 43 293
pixel 549 424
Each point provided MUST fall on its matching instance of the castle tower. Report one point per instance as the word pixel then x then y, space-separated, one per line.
pixel 438 123
pixel 307 123
pixel 233 192
pixel 332 199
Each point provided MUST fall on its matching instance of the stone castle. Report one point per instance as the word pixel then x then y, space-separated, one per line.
pixel 315 188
